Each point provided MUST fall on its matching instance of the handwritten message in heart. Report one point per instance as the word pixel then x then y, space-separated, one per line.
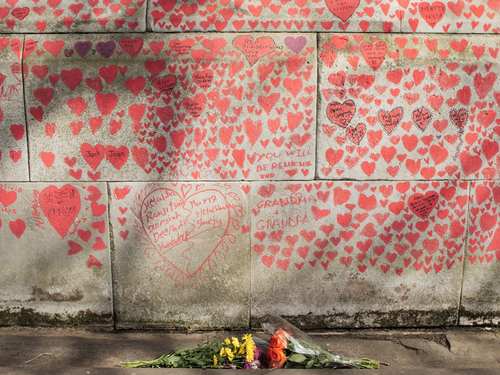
pixel 254 49
pixel 60 207
pixel 391 119
pixel 188 228
pixel 422 205
pixel 341 113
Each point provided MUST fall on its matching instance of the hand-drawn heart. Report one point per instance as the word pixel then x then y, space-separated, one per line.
pixel 341 114
pixel 181 47
pixel 167 5
pixel 82 48
pixel 196 105
pixel 495 242
pixel 44 95
pixel 20 13
pixel 177 224
pixel 254 50
pixel 432 14
pixel 343 9
pixel 296 44
pixel 166 84
pixel 93 155
pixel 166 114
pixel 17 227
pixel 374 54
pixel 132 46
pixel 459 118
pixel 357 133
pixel 484 85
pixel 60 207
pixel 106 49
pixel 71 78
pixel 7 197
pixel 390 120
pixel 421 117
pixel 106 103
pixel 117 156
pixel 203 78
pixel 422 205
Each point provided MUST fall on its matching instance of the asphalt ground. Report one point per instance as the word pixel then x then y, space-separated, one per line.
pixel 445 351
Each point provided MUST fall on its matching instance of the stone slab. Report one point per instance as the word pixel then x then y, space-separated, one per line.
pixel 13 146
pixel 270 16
pixel 478 17
pixel 408 107
pixel 481 285
pixel 181 255
pixel 55 254
pixel 175 107
pixel 351 254
pixel 54 16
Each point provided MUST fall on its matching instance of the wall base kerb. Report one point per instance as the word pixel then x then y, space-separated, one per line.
pixel 367 319
pixel 29 317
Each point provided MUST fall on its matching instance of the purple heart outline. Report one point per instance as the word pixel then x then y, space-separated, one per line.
pixel 82 48
pixel 106 49
pixel 296 44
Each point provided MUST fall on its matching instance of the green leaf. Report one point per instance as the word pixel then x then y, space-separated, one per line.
pixel 297 357
pixel 310 364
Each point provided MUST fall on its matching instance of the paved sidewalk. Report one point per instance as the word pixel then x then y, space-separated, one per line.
pixel 63 351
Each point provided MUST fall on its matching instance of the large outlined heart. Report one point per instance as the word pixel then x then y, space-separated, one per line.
pixel 390 120
pixel 60 206
pixel 341 114
pixel 176 225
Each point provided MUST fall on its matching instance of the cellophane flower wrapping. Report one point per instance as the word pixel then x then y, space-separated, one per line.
pixel 289 347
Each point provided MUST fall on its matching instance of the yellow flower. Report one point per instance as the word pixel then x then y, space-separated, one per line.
pixel 236 343
pixel 215 360
pixel 250 347
pixel 226 341
pixel 242 350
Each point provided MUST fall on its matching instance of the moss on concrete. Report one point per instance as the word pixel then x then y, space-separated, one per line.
pixel 399 318
pixel 31 318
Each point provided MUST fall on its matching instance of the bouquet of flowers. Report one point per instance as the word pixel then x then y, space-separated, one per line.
pixel 231 353
pixel 289 347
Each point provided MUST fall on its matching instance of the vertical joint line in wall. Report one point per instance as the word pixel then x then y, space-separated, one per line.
pixel 147 28
pixel 111 256
pixel 250 259
pixel 464 249
pixel 318 106
pixel 25 110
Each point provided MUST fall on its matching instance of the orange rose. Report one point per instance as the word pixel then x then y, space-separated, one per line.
pixel 277 342
pixel 275 357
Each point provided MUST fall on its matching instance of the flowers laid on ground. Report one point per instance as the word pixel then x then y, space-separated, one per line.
pixel 231 353
pixel 289 347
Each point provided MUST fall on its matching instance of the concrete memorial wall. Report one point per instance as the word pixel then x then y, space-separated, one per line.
pixel 173 164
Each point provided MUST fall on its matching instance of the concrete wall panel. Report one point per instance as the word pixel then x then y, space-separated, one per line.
pixel 181 254
pixel 273 16
pixel 349 254
pixel 481 287
pixel 55 254
pixel 63 16
pixel 420 107
pixel 13 150
pixel 207 106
